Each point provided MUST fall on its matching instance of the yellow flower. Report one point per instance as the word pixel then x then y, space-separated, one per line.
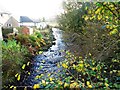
pixel 74 66
pixel 99 17
pixel 114 31
pixel 16 75
pixel 81 65
pixel 88 83
pixel 28 73
pixel 89 86
pixel 86 18
pixel 49 75
pixel 52 82
pixel 106 84
pixel 51 79
pixel 28 63
pixel 14 88
pixel 118 74
pixel 18 78
pixel 74 85
pixel 43 82
pixel 41 75
pixel 89 11
pixel 37 76
pixel 40 52
pixel 11 86
pixel 66 85
pixel 36 86
pixel 111 27
pixel 111 5
pixel 107 26
pixel 106 16
pixel 80 57
pixel 104 3
pixel 93 68
pixel 90 54
pixel 98 10
pixel 64 65
pixel 23 67
pixel 83 79
pixel 60 82
pixel 47 82
pixel 81 61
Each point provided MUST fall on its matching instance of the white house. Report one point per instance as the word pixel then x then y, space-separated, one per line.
pixel 11 22
pixel 6 20
pixel 4 17
pixel 26 21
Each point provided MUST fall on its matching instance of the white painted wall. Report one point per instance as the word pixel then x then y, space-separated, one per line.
pixel 26 24
pixel 4 18
pixel 15 31
pixel 30 30
pixel 41 25
pixel 1 37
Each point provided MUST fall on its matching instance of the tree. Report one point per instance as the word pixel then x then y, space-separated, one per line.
pixel 72 19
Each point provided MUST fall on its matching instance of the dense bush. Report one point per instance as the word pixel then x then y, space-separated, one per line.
pixel 14 55
pixel 71 20
pixel 6 31
pixel 33 42
pixel 99 31
pixel 98 37
pixel 89 73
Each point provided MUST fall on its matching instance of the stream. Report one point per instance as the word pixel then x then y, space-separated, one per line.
pixel 46 63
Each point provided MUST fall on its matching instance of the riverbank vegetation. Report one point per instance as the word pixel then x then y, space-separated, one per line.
pixel 17 53
pixel 92 34
pixel 92 60
pixel 95 38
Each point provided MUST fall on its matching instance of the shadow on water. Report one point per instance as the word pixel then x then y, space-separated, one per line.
pixel 46 62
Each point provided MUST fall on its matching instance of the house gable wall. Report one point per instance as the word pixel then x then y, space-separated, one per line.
pixel 11 22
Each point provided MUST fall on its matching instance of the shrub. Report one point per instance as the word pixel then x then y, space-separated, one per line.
pixel 6 31
pixel 13 57
pixel 93 74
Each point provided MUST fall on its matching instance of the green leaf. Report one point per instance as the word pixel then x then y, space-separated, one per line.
pixel 98 4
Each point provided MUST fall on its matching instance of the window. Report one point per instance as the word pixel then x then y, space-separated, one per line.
pixel 9 25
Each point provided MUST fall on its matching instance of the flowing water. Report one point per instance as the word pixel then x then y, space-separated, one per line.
pixel 46 63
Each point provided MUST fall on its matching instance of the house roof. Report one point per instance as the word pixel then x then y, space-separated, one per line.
pixel 25 19
pixel 36 20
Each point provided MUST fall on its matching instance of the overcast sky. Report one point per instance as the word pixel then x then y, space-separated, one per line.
pixel 32 8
